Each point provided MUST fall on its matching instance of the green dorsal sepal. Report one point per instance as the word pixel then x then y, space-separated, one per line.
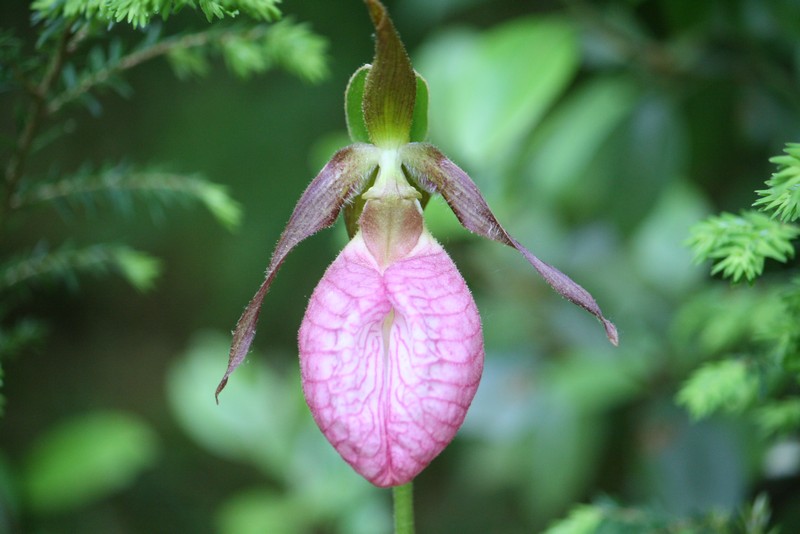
pixel 390 85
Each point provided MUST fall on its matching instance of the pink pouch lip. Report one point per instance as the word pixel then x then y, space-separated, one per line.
pixel 391 360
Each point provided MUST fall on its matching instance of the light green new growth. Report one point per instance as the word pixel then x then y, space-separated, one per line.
pixel 739 244
pixel 783 196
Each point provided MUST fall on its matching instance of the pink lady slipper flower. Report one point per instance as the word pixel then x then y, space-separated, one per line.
pixel 391 347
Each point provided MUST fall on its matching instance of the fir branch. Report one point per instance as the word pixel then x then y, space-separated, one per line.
pixel 65 264
pixel 739 244
pixel 120 185
pixel 783 194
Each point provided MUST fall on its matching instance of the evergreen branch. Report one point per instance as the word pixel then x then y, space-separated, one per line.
pixel 120 184
pixel 783 194
pixel 739 244
pixel 66 263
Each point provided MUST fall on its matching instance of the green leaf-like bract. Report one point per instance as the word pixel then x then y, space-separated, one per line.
pixel 739 244
pixel 783 194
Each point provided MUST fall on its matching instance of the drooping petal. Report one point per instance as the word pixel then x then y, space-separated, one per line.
pixel 339 181
pixel 390 358
pixel 434 172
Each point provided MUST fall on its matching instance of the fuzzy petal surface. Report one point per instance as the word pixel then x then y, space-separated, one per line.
pixel 391 358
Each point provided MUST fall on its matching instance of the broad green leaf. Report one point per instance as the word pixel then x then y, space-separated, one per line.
pixel 489 89
pixel 583 519
pixel 258 511
pixel 570 138
pixel 87 458
pixel 262 421
pixel 657 246
pixel 240 428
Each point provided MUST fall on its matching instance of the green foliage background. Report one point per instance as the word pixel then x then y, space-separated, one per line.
pixel 623 141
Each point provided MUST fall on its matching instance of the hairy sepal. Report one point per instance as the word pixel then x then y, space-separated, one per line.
pixel 390 85
pixel 432 171
pixel 342 179
pixel 390 357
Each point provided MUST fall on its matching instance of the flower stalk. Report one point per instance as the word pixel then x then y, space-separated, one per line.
pixel 403 497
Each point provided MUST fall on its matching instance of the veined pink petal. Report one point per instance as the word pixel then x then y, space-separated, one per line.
pixel 391 359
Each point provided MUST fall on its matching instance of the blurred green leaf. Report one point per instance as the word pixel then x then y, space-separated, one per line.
pixel 486 94
pixel 240 427
pixel 657 245
pixel 571 136
pixel 262 421
pixel 259 511
pixel 583 519
pixel 85 459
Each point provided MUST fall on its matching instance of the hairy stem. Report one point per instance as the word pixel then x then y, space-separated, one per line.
pixel 403 508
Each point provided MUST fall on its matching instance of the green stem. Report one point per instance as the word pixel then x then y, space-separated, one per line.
pixel 403 508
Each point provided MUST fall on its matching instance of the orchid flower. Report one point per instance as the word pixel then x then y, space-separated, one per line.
pixel 391 345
